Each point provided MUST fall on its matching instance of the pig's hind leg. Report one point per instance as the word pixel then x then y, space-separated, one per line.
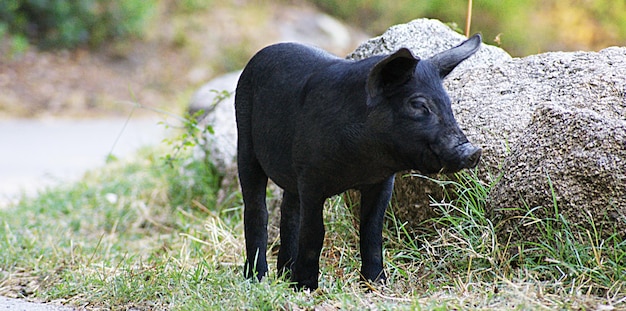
pixel 253 182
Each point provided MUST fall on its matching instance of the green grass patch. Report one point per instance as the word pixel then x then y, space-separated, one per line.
pixel 142 234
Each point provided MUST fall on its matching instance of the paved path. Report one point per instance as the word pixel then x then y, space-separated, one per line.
pixel 39 153
pixel 21 305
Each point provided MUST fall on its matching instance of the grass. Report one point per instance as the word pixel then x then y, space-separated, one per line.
pixel 140 234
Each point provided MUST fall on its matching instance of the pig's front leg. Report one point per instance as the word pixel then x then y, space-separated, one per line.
pixel 306 268
pixel 374 201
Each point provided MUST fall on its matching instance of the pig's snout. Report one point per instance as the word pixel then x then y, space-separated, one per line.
pixel 462 156
pixel 470 155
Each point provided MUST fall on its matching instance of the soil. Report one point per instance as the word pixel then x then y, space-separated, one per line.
pixel 82 83
pixel 180 51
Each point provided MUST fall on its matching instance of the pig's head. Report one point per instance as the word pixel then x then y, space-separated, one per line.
pixel 411 113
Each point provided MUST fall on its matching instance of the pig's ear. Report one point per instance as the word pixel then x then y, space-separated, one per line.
pixel 392 70
pixel 446 61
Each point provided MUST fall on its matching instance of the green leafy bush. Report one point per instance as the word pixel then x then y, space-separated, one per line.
pixel 72 23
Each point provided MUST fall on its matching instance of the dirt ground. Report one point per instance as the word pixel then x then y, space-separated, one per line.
pixel 180 51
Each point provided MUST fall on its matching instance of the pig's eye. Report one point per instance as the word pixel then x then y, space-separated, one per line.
pixel 419 106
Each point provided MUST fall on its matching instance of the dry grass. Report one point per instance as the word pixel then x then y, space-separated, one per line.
pixel 139 234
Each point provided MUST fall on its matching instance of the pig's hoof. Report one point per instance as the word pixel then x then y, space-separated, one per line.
pixel 305 285
pixel 373 285
pixel 250 272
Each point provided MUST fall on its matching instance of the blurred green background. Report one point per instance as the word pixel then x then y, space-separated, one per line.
pixel 520 27
pixel 72 23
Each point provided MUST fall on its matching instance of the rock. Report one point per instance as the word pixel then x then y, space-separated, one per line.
pixel 495 97
pixel 425 38
pixel 495 104
pixel 554 114
pixel 573 157
pixel 309 26
pixel 219 113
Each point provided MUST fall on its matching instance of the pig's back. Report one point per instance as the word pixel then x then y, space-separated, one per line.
pixel 280 71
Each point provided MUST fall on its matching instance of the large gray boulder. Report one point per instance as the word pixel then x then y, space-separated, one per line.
pixel 554 118
pixel 495 104
pixel 495 100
